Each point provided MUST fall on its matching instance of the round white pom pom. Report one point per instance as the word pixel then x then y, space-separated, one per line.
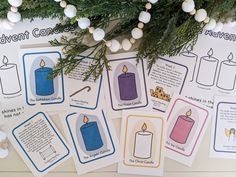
pixel 230 22
pixel 3 136
pixel 3 153
pixel 15 3
pixel 98 34
pixel 70 11
pixel 211 24
pixel 144 17
pixel 63 4
pixel 115 45
pixel 219 27
pixel 7 25
pixel 152 1
pixel 200 15
pixel 57 0
pixel 84 23
pixel 126 44
pixel 148 6
pixel 188 6
pixel 13 17
pixel 14 9
pixel 137 33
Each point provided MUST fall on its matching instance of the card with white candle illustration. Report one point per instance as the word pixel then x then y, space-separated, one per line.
pixel 142 138
pixel 84 94
pixel 92 138
pixel 186 125
pixel 39 88
pixel 38 142
pixel 126 84
pixel 223 132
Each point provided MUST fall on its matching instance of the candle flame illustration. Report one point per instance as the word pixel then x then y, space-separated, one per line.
pixel 189 48
pixel 210 52
pixel 125 69
pixel 144 127
pixel 5 60
pixel 189 113
pixel 42 63
pixel 230 57
pixel 86 119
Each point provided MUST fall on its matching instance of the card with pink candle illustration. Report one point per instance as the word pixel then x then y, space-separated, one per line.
pixel 186 125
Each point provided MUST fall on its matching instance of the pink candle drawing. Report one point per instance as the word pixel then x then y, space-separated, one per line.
pixel 182 128
pixel 127 85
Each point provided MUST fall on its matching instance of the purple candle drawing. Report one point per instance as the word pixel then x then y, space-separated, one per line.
pixel 127 85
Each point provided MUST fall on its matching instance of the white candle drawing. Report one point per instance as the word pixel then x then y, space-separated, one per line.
pixel 143 143
pixel 227 74
pixel 207 69
pixel 10 82
pixel 190 55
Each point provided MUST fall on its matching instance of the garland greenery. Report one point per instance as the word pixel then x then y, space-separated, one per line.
pixel 169 30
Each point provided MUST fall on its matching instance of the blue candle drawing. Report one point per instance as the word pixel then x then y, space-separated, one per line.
pixel 127 85
pixel 44 85
pixel 91 135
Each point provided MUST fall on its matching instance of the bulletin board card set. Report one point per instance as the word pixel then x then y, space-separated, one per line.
pixel 88 127
pixel 173 124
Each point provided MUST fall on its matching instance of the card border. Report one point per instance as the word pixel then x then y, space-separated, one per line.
pixel 214 148
pixel 77 153
pixel 125 138
pixel 180 99
pixel 68 151
pixel 62 78
pixel 182 85
pixel 144 80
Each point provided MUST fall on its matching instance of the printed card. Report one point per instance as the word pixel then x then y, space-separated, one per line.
pixel 84 94
pixel 142 143
pixel 187 122
pixel 39 143
pixel 92 138
pixel 165 78
pixel 126 85
pixel 223 136
pixel 40 90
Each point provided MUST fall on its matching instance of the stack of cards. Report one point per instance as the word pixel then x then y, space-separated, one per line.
pixel 164 112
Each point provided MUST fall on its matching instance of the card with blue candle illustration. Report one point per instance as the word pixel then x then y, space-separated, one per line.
pixel 92 138
pixel 40 89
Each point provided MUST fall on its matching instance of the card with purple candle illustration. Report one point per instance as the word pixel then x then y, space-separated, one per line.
pixel 187 122
pixel 40 87
pixel 125 84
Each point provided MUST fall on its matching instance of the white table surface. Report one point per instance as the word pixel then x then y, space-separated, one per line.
pixel 203 166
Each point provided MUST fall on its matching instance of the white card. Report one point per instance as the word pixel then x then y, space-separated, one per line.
pixel 187 122
pixel 165 78
pixel 142 143
pixel 12 86
pixel 223 134
pixel 84 94
pixel 92 138
pixel 39 143
pixel 47 94
pixel 126 85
